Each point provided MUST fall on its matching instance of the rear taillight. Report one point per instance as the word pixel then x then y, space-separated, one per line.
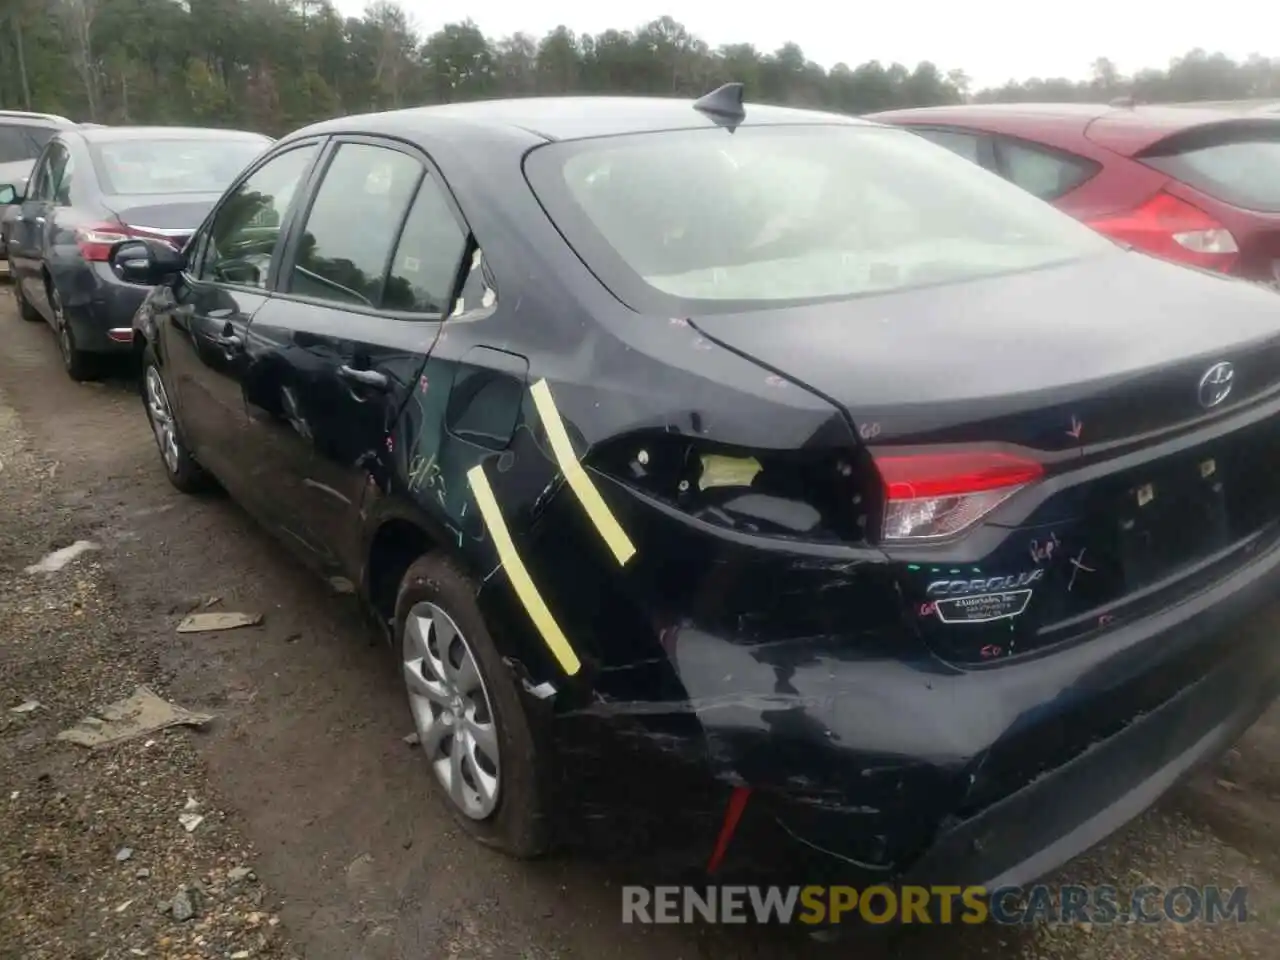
pixel 1172 228
pixel 939 494
pixel 95 240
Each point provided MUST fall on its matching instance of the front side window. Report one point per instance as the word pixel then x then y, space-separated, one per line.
pixel 711 221
pixel 353 223
pixel 428 256
pixel 242 237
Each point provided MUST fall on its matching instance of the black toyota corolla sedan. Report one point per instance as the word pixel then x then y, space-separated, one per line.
pixel 783 452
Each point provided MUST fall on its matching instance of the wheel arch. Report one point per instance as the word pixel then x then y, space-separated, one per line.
pixel 397 538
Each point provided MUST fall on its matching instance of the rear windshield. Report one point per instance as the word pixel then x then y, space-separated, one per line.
pixel 711 221
pixel 142 167
pixel 1245 173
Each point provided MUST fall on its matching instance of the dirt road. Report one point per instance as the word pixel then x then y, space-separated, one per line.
pixel 304 772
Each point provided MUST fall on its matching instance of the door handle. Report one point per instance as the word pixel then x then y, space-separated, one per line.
pixel 39 219
pixel 228 342
pixel 366 378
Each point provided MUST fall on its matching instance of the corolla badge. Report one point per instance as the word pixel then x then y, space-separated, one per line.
pixel 1216 384
pixel 961 588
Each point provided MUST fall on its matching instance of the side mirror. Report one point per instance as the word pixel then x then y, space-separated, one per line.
pixel 146 261
pixel 10 193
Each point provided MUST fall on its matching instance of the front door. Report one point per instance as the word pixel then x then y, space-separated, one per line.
pixel 28 229
pixel 204 332
pixel 358 305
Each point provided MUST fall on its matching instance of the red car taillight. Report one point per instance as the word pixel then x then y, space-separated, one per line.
pixel 95 240
pixel 939 494
pixel 1172 228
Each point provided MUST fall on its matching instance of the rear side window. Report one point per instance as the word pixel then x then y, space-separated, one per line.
pixel 964 144
pixel 1047 174
pixel 61 171
pixel 352 224
pixel 1244 173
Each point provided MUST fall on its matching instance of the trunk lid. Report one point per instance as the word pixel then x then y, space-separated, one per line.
pixel 1100 352
pixel 1158 470
pixel 173 217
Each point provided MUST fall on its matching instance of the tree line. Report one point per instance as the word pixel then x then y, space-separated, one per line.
pixel 274 65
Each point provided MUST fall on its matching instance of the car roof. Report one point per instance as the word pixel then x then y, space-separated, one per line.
pixel 34 119
pixel 1127 130
pixel 114 134
pixel 565 118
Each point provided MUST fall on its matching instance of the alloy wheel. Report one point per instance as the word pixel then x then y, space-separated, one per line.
pixel 451 710
pixel 161 417
pixel 65 346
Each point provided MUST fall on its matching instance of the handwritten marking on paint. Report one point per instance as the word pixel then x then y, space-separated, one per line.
pixel 425 472
pixel 422 384
pixel 774 380
pixel 702 344
pixel 868 430
pixel 928 609
pixel 1106 620
pixel 1076 427
pixel 990 650
pixel 1044 551
pixel 1077 566
pixel 679 322
pixel 391 444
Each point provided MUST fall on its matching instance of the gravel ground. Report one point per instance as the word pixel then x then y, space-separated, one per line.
pixel 92 855
pixel 322 838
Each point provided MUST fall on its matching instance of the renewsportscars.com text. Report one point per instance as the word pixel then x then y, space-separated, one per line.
pixel 1040 903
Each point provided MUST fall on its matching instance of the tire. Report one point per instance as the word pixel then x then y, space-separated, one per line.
pixel 80 366
pixel 179 466
pixel 25 310
pixel 517 824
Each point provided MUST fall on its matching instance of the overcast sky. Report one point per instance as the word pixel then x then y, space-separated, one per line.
pixel 992 40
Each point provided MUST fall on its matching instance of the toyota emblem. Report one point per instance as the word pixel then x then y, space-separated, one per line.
pixel 1215 385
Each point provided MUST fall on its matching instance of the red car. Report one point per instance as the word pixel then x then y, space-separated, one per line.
pixel 1197 185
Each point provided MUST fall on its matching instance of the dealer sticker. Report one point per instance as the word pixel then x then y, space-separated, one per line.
pixel 984 607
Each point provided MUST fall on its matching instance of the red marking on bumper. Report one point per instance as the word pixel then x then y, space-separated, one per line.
pixel 732 814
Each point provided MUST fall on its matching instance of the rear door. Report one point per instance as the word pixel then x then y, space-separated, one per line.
pixel 360 300
pixel 203 332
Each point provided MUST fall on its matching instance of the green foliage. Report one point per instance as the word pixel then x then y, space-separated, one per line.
pixel 275 65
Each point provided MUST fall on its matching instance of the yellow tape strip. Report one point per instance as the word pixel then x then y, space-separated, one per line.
pixel 606 524
pixel 518 575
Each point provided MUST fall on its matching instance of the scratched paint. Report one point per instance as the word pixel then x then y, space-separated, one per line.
pixel 1042 550
pixel 1077 567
